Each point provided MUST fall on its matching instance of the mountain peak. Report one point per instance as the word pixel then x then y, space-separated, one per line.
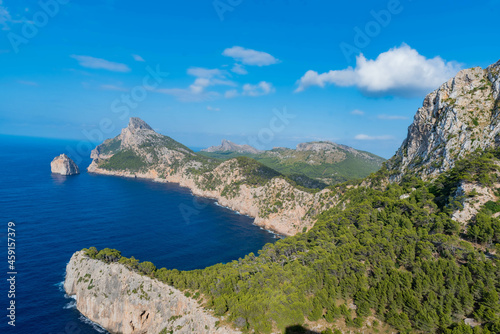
pixel 459 117
pixel 136 123
pixel 229 146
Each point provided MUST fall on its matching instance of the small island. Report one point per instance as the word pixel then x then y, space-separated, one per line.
pixel 63 165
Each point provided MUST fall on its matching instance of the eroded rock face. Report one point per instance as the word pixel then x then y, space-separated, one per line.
pixel 64 165
pixel 456 119
pixel 123 301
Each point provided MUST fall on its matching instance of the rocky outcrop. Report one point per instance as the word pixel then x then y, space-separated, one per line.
pixel 276 204
pixel 459 117
pixel 64 165
pixel 122 301
pixel 228 146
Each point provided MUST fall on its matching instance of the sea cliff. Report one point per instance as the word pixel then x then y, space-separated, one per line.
pixel 123 301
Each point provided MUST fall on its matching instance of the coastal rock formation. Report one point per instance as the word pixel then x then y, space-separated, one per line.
pixel 240 184
pixel 122 301
pixel 456 119
pixel 63 165
pixel 228 146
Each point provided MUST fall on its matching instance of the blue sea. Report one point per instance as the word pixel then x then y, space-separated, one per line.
pixel 55 216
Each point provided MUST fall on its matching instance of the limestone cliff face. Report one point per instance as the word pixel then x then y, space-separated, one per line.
pixel 275 205
pixel 123 301
pixel 63 165
pixel 459 117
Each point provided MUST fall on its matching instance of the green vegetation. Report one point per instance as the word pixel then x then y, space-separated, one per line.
pixel 125 160
pixel 400 259
pixel 110 146
pixel 322 166
pixel 255 173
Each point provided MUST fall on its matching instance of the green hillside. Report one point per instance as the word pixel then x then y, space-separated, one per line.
pixel 401 260
pixel 331 166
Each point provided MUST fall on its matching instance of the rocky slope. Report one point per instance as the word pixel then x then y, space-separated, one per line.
pixel 457 118
pixel 63 165
pixel 123 301
pixel 241 184
pixel 228 146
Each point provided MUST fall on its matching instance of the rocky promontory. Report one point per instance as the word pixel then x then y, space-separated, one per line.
pixel 241 184
pixel 63 165
pixel 123 301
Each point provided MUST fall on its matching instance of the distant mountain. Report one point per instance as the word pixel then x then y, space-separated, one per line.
pixel 228 146
pixel 323 161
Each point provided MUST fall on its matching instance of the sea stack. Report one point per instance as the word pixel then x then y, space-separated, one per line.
pixel 64 165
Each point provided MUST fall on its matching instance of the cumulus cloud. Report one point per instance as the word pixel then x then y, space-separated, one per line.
pixel 239 69
pixel 367 137
pixel 231 93
pixel 249 56
pixel 262 88
pixel 138 58
pixel 391 117
pixel 99 63
pixel 197 91
pixel 357 112
pixel 401 71
pixel 212 108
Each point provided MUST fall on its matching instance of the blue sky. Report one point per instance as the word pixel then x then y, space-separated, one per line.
pixel 354 73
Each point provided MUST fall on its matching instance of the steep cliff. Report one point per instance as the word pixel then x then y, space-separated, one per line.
pixel 63 165
pixel 123 301
pixel 456 119
pixel 241 184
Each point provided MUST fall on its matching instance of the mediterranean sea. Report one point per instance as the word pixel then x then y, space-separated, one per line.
pixel 56 215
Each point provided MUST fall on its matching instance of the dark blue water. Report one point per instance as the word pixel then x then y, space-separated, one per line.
pixel 56 216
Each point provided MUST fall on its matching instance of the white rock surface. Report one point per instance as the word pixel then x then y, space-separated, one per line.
pixel 123 301
pixel 63 165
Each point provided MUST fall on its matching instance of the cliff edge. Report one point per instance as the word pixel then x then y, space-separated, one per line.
pixel 122 301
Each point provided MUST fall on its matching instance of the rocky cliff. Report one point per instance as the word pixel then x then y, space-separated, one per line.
pixel 63 165
pixel 228 146
pixel 123 301
pixel 457 118
pixel 242 184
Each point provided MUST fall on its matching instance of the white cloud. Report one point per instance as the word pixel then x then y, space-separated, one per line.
pixel 239 69
pixel 367 137
pixel 205 72
pixel 99 63
pixel 262 88
pixel 187 95
pixel 197 91
pixel 231 93
pixel 401 71
pixel 249 56
pixel 138 58
pixel 391 117
pixel 212 108
pixel 357 112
